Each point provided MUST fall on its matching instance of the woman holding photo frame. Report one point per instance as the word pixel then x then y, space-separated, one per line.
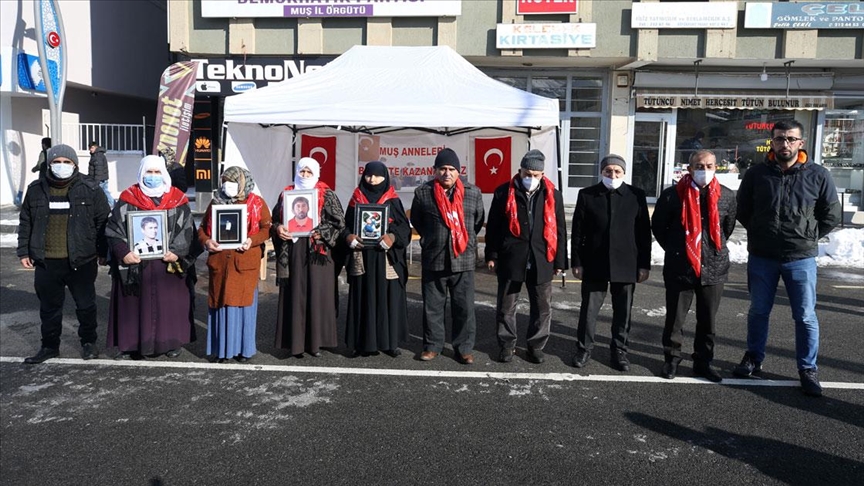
pixel 305 271
pixel 149 313
pixel 233 295
pixel 377 272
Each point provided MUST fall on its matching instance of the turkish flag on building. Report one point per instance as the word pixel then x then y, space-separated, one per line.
pixel 491 162
pixel 322 149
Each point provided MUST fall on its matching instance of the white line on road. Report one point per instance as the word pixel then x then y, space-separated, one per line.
pixel 429 373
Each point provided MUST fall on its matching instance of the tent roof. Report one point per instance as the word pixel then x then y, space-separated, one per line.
pixel 372 86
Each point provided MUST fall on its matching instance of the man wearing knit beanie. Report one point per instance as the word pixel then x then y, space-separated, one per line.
pixel 448 213
pixel 526 242
pixel 611 250
pixel 61 234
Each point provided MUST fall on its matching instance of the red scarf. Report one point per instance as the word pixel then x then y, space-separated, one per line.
pixel 322 190
pixel 136 197
pixel 453 215
pixel 550 222
pixel 253 216
pixel 691 218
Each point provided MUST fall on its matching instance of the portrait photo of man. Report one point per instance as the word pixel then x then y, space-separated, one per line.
pixel 301 222
pixel 150 244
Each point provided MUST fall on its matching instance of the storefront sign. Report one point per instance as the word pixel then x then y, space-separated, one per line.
pixel 546 36
pixel 809 15
pixel 684 15
pixel 231 76
pixel 330 8
pixel 533 7
pixel 733 101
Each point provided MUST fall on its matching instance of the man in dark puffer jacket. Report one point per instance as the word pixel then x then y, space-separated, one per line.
pixel 98 170
pixel 61 232
pixel 692 221
pixel 786 204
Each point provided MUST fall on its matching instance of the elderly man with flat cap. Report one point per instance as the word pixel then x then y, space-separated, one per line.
pixel 611 249
pixel 62 234
pixel 447 214
pixel 526 242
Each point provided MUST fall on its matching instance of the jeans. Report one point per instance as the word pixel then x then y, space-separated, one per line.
pixel 104 186
pixel 799 276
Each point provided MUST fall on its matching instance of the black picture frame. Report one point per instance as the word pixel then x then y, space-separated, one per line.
pixel 229 225
pixel 371 222
pixel 147 233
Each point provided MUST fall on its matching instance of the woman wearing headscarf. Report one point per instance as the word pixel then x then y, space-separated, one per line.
pixel 149 313
pixel 233 295
pixel 377 273
pixel 306 319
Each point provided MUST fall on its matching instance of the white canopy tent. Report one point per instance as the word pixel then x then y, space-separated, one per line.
pixel 373 90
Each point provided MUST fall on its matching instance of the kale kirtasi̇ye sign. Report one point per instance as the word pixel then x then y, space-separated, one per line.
pixel 330 8
pixel 546 36
pixel 805 15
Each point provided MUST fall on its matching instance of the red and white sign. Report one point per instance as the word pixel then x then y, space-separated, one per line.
pixel 534 7
pixel 409 158
pixel 322 149
pixel 492 162
pixel 53 39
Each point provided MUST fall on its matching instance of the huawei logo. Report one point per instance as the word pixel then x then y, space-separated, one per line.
pixel 202 143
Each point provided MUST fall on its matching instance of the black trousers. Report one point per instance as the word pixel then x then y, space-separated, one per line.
pixel 678 302
pixel 52 278
pixel 593 295
pixel 539 317
pixel 435 286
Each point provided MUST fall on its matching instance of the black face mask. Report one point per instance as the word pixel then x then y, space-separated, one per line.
pixel 374 193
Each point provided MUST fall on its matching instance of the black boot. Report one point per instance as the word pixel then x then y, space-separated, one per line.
pixel 704 369
pixel 44 354
pixel 670 367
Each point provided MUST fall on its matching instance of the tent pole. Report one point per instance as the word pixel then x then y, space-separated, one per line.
pixel 558 150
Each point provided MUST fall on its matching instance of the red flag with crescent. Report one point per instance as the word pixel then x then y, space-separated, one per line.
pixel 322 149
pixel 492 163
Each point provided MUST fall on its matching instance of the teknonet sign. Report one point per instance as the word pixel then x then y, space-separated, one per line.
pixel 534 7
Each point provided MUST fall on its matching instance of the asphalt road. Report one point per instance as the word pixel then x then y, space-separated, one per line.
pixel 383 420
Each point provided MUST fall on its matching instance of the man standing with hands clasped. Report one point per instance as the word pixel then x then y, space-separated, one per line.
pixel 526 242
pixel 611 249
pixel 447 214
pixel 786 203
pixel 692 221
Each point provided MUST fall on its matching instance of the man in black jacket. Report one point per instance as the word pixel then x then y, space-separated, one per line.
pixel 786 204
pixel 692 221
pixel 60 233
pixel 526 241
pixel 611 248
pixel 98 170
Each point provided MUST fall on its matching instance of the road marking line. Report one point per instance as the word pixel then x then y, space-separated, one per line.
pixel 429 373
pixel 848 286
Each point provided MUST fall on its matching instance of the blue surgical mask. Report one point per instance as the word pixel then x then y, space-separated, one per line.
pixel 62 171
pixel 153 181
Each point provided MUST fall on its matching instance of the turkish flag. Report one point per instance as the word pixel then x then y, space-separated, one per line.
pixel 322 149
pixel 491 162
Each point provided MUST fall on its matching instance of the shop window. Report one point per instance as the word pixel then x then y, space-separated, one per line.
pixel 551 87
pixel 584 151
pixel 586 95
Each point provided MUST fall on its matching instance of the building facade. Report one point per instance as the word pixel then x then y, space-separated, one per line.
pixel 641 79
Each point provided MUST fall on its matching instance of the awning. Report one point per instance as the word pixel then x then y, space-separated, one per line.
pixel 732 100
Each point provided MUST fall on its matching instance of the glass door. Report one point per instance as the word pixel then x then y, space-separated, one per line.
pixel 653 153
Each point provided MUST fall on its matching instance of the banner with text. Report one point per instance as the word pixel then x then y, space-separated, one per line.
pixel 330 8
pixel 174 110
pixel 322 149
pixel 409 157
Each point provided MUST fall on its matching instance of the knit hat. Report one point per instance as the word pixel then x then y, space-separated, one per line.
pixel 613 159
pixel 61 150
pixel 447 157
pixel 534 160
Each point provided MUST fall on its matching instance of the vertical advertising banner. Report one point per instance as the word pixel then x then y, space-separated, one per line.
pixel 52 59
pixel 492 162
pixel 322 149
pixel 202 143
pixel 174 110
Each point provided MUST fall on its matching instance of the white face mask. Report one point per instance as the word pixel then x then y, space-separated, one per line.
pixel 230 189
pixel 703 177
pixel 611 183
pixel 62 171
pixel 530 183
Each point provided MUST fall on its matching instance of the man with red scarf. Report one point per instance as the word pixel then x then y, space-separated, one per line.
pixel 692 221
pixel 447 214
pixel 526 239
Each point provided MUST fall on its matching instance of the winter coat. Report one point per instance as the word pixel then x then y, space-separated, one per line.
pixel 611 233
pixel 669 232
pixel 435 239
pixel 511 253
pixel 98 168
pixel 85 235
pixel 786 212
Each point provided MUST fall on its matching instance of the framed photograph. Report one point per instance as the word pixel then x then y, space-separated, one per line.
pixel 370 222
pixel 229 225
pixel 148 233
pixel 300 211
